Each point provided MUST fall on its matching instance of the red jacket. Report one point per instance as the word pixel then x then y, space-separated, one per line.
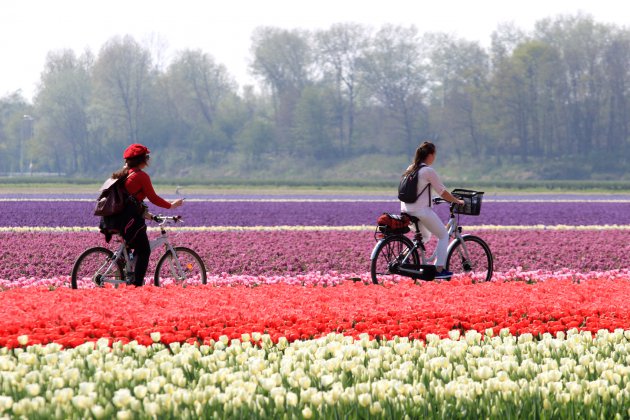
pixel 138 184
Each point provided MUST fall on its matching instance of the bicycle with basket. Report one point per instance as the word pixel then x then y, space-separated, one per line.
pixel 396 255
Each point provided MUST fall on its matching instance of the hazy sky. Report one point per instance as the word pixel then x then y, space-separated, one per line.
pixel 29 29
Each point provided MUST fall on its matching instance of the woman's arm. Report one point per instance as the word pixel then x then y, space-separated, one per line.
pixel 437 185
pixel 451 198
pixel 147 188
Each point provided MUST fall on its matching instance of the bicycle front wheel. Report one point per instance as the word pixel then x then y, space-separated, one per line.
pixel 185 268
pixel 472 258
pixel 95 267
pixel 388 255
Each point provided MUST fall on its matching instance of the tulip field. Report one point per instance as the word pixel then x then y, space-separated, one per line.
pixel 290 325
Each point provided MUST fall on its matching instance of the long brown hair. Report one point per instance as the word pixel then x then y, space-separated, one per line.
pixel 424 150
pixel 129 163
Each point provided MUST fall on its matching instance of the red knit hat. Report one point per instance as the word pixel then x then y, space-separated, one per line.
pixel 134 150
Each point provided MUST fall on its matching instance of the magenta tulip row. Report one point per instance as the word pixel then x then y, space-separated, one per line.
pixel 289 252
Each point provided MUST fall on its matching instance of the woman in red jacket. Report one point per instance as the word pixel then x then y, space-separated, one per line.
pixel 134 228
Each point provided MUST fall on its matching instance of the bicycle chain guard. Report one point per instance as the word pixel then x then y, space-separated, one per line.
pixel 416 271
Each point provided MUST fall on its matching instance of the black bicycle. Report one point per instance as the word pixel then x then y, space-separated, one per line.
pixel 397 255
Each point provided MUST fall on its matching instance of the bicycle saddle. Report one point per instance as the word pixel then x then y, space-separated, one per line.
pixel 413 219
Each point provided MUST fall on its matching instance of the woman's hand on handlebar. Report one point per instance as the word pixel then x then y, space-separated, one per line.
pixel 451 198
pixel 177 203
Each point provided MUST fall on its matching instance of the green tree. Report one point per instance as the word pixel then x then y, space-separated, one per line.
pixel 340 50
pixel 527 90
pixel 283 59
pixel 15 130
pixel 62 101
pixel 121 81
pixel 459 82
pixel 581 44
pixel 396 77
pixel 312 132
pixel 198 88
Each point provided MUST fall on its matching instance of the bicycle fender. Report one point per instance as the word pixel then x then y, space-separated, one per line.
pixel 374 250
pixel 454 243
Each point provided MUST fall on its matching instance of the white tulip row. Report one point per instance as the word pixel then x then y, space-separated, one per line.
pixel 471 375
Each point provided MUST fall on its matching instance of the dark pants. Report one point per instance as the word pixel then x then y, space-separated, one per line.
pixel 141 254
pixel 135 235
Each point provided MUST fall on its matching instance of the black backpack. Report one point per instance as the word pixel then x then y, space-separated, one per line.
pixel 113 198
pixel 408 187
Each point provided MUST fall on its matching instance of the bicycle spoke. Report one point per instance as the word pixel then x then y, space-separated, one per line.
pixel 95 268
pixel 472 259
pixel 186 268
pixel 389 255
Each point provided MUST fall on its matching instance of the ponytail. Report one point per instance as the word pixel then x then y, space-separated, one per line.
pixel 424 150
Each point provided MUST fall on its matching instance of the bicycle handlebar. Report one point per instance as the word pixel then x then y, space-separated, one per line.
pixel 441 200
pixel 158 218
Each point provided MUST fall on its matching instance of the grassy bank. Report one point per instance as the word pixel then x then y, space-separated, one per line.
pixel 283 186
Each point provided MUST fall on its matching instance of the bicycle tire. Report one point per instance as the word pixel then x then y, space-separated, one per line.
pixel 194 268
pixel 90 265
pixel 480 264
pixel 384 255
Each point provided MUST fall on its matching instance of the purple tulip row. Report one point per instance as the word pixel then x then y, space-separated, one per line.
pixel 45 254
pixel 320 213
pixel 380 196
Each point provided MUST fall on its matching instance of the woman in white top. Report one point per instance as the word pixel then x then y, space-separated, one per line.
pixel 430 223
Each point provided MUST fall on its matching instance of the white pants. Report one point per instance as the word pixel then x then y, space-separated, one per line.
pixel 430 223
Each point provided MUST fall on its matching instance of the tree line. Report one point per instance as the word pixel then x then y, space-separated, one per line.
pixel 555 100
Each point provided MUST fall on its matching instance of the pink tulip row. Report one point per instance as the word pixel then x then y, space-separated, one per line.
pixel 285 252
pixel 332 278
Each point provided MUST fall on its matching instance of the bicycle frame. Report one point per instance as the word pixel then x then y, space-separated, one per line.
pixel 123 253
pixel 454 231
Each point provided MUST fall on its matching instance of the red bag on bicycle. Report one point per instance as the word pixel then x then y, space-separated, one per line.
pixel 393 221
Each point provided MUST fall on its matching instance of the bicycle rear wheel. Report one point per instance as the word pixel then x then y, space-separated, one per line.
pixel 473 258
pixel 94 267
pixel 191 269
pixel 388 255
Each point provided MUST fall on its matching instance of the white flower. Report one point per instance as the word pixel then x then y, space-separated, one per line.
pixel 317 399
pixel 485 372
pixel 327 380
pixel 122 398
pixel 81 402
pixel 156 337
pixel 278 400
pixel 292 399
pixel 154 386
pixel 376 408
pixel 63 396
pixel 307 413
pixel 23 340
pixel 86 388
pixel 454 335
pixel 32 389
pixel 98 411
pixel 140 391
pixel 151 408
pixel 365 400
pixel 305 382
pixel 124 415
pixel 5 403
